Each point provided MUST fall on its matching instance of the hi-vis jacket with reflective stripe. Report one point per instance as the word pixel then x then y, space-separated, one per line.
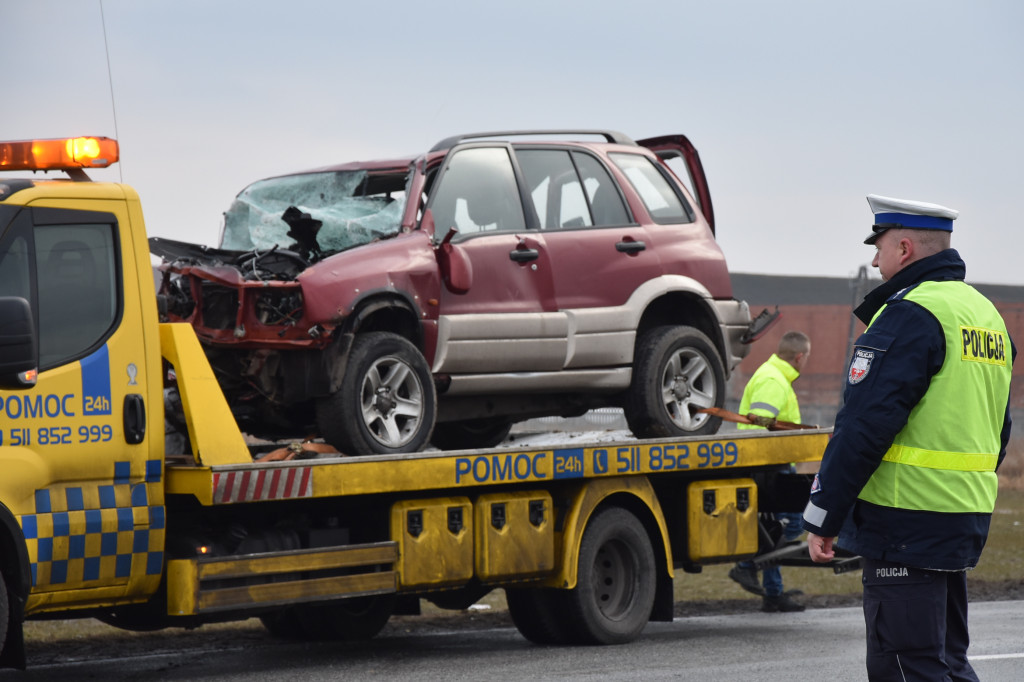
pixel 924 425
pixel 769 393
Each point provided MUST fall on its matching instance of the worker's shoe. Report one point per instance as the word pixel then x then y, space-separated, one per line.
pixel 782 603
pixel 747 579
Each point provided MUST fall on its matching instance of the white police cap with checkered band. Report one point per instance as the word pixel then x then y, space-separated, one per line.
pixel 904 213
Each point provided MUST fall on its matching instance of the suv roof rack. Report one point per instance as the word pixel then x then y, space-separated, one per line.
pixel 609 135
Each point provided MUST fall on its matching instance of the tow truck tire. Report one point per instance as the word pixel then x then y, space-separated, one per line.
pixel 676 371
pixel 539 614
pixel 5 612
pixel 357 618
pixel 283 624
pixel 471 433
pixel 386 402
pixel 615 585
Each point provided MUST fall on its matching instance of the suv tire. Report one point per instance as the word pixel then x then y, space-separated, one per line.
pixel 676 371
pixel 386 402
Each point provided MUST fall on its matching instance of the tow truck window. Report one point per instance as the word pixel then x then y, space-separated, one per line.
pixel 664 205
pixel 77 278
pixel 14 268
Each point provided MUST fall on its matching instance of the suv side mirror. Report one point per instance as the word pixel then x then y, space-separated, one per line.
pixel 19 355
pixel 456 270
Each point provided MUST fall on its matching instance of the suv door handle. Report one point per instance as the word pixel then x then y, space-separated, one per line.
pixel 630 246
pixel 524 255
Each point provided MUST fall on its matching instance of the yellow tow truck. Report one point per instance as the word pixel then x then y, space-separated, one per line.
pixel 101 517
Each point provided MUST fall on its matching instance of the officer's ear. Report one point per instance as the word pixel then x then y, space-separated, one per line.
pixel 905 250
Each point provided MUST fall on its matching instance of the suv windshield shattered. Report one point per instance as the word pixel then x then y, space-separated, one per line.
pixel 353 207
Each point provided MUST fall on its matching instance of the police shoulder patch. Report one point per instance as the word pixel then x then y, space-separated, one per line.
pixel 860 365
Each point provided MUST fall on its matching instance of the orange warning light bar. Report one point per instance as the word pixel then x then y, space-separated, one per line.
pixel 58 154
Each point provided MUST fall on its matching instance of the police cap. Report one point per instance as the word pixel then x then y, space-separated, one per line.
pixel 903 213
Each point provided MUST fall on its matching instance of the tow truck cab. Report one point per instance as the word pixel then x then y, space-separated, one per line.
pixel 81 427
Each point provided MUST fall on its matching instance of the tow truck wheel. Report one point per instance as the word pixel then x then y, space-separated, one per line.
pixel 676 371
pixel 283 624
pixel 5 611
pixel 346 620
pixel 539 614
pixel 351 619
pixel 615 585
pixel 471 433
pixel 386 403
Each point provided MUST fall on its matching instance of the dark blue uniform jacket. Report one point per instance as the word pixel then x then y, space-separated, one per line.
pixel 875 409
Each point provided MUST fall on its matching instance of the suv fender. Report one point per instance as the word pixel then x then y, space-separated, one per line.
pixel 404 266
pixel 379 310
pixel 656 302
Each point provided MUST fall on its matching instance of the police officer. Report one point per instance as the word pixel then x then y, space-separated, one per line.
pixel 767 397
pixel 908 480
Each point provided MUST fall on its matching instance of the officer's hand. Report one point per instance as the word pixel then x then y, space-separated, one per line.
pixel 820 548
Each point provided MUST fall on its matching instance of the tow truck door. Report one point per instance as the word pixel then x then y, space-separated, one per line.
pixel 81 450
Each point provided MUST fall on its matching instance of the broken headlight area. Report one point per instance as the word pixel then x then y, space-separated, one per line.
pixel 250 311
pixel 219 306
pixel 279 307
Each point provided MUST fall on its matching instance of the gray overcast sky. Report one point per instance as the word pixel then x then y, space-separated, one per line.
pixel 798 108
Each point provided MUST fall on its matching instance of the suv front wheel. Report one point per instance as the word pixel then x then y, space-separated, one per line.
pixel 676 371
pixel 386 403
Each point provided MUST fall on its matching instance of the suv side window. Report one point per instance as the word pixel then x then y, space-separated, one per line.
pixel 477 192
pixel 605 200
pixel 77 286
pixel 661 200
pixel 570 191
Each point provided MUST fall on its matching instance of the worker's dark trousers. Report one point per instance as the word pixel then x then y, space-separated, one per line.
pixel 916 623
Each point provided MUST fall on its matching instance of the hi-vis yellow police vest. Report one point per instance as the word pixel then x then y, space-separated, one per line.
pixel 945 457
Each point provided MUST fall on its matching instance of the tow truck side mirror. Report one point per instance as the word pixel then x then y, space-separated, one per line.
pixel 19 354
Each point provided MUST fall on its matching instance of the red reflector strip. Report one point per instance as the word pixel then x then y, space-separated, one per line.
pixel 250 486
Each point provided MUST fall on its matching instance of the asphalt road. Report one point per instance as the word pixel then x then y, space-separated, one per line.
pixel 820 644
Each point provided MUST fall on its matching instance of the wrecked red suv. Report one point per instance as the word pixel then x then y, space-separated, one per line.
pixel 389 305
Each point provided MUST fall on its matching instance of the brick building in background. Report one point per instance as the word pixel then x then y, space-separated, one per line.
pixel 822 307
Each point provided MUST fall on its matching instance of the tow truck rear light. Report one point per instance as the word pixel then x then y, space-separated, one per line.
pixel 58 154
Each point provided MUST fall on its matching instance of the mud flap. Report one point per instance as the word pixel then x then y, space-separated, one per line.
pixel 12 655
